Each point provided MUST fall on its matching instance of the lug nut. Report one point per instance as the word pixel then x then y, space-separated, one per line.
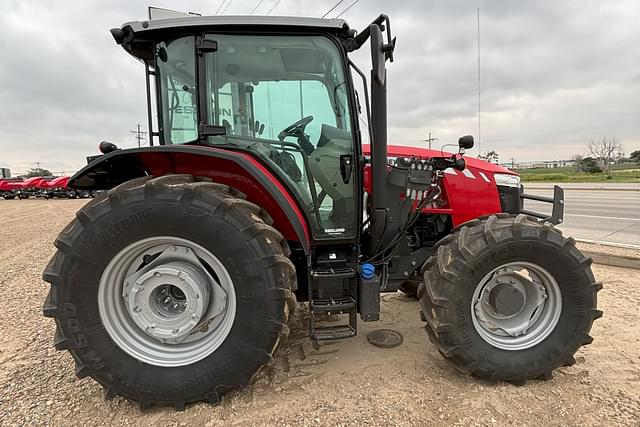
pixel 166 300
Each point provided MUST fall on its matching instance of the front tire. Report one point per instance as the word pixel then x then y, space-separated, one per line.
pixel 169 290
pixel 507 298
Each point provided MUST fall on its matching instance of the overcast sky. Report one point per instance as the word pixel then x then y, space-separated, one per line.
pixel 555 74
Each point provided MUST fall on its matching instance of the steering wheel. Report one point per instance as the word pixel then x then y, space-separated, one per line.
pixel 295 129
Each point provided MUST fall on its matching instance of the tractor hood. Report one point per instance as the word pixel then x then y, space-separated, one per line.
pixel 472 162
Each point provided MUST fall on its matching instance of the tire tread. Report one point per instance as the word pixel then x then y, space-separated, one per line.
pixel 186 189
pixel 445 272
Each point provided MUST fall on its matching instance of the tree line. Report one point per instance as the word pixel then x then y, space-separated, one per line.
pixel 602 154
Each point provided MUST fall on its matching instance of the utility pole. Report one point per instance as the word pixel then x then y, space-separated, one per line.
pixel 138 134
pixel 430 140
pixel 38 168
pixel 513 163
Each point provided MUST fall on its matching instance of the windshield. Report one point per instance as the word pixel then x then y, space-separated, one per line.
pixel 284 98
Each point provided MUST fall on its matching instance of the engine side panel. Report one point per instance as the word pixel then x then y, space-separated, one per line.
pixel 466 195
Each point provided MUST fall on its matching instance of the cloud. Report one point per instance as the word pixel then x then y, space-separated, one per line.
pixel 554 74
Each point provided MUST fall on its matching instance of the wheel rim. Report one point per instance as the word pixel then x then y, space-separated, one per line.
pixel 167 301
pixel 516 306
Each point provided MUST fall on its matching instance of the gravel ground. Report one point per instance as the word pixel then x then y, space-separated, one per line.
pixel 350 382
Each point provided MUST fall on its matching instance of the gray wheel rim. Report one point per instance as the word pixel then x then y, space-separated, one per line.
pixel 516 306
pixel 167 301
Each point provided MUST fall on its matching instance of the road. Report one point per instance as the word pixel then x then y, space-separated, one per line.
pixel 605 213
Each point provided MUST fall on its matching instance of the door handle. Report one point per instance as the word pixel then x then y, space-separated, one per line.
pixel 346 167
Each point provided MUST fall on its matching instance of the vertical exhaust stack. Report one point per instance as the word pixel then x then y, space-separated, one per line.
pixel 380 52
pixel 378 118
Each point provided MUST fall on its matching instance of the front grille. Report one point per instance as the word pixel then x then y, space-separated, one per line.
pixel 509 199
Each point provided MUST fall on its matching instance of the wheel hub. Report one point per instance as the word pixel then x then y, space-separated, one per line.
pixel 167 301
pixel 511 308
pixel 168 298
pixel 506 299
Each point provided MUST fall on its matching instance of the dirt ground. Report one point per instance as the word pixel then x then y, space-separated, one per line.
pixel 347 383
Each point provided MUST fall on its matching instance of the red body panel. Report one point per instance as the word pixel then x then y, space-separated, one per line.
pixel 36 182
pixel 466 195
pixel 59 182
pixel 6 185
pixel 228 172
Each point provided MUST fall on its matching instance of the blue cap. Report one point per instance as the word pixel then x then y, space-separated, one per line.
pixel 367 271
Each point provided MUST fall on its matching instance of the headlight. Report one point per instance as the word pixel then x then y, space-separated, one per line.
pixel 507 180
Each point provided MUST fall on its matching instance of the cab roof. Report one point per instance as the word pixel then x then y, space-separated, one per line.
pixel 135 37
pixel 238 21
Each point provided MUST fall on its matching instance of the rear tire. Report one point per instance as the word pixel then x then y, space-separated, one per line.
pixel 459 308
pixel 216 223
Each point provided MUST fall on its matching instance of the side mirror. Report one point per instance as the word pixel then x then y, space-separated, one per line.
pixel 466 142
pixel 378 56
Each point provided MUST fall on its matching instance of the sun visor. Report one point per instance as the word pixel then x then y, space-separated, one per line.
pixel 298 60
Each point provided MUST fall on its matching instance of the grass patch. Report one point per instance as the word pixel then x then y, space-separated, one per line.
pixel 569 174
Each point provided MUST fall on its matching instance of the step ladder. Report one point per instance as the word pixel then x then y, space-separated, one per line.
pixel 336 305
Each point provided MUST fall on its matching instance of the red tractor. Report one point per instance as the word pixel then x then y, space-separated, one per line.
pixel 32 187
pixel 9 187
pixel 176 283
pixel 58 188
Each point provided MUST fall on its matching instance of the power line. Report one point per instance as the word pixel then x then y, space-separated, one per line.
pixel 220 7
pixel 350 6
pixel 331 10
pixel 227 7
pixel 256 7
pixel 273 7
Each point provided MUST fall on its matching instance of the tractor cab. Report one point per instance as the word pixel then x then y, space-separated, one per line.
pixel 276 88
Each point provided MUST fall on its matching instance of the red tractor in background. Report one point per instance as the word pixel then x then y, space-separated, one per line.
pixel 176 283
pixel 9 187
pixel 32 187
pixel 58 188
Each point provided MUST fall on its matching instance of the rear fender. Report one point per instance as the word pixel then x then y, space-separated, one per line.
pixel 238 170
